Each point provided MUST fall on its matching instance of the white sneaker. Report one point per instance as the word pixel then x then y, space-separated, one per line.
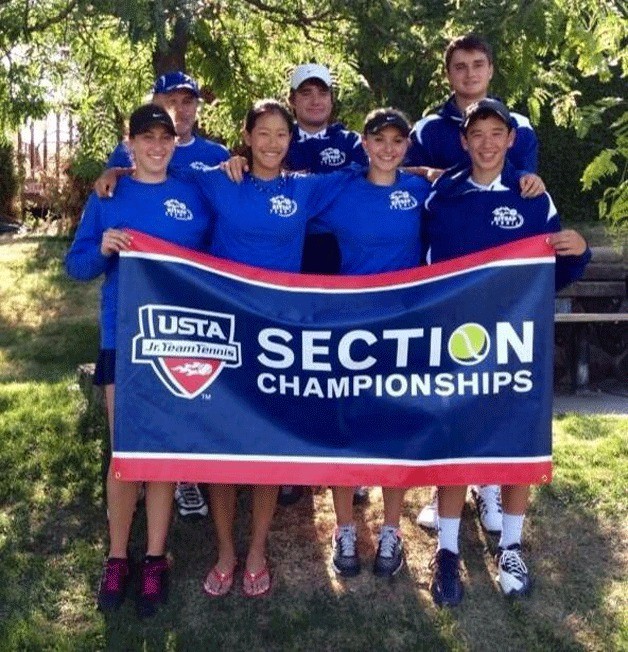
pixel 513 576
pixel 488 501
pixel 190 501
pixel 428 516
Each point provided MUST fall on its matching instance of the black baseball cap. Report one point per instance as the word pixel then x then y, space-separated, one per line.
pixel 382 118
pixel 484 108
pixel 148 115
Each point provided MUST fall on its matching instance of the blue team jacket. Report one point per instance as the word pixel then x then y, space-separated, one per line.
pixel 461 218
pixel 435 141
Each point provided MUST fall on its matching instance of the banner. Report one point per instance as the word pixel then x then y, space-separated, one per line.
pixel 232 374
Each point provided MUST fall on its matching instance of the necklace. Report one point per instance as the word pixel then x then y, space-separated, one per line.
pixel 271 186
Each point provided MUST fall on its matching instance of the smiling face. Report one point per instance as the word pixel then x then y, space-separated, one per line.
pixel 182 106
pixel 386 150
pixel 312 104
pixel 469 74
pixel 487 140
pixel 268 139
pixel 152 151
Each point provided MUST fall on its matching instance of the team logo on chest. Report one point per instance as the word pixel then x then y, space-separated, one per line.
pixel 178 210
pixel 402 200
pixel 199 165
pixel 283 206
pixel 333 157
pixel 186 348
pixel 507 218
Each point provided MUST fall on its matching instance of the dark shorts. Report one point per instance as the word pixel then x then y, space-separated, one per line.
pixel 105 373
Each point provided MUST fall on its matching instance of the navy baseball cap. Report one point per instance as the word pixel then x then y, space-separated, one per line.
pixel 147 116
pixel 382 118
pixel 174 81
pixel 484 108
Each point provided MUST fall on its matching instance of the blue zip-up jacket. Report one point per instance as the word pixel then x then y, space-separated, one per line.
pixel 461 218
pixel 336 148
pixel 435 141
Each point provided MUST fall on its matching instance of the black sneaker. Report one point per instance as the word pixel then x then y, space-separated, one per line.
pixel 361 496
pixel 114 583
pixel 153 589
pixel 513 576
pixel 289 495
pixel 190 501
pixel 446 587
pixel 389 558
pixel 345 559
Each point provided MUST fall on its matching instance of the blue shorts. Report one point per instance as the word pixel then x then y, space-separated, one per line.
pixel 105 373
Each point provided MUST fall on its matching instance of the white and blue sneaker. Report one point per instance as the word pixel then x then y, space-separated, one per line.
pixel 488 502
pixel 190 501
pixel 345 560
pixel 389 558
pixel 513 576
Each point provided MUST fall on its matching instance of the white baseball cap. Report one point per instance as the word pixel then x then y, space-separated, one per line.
pixel 310 71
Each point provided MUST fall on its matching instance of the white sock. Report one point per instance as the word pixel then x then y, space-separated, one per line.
pixel 448 529
pixel 512 526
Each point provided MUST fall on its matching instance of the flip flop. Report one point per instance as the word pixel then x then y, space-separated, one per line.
pixel 224 581
pixel 249 581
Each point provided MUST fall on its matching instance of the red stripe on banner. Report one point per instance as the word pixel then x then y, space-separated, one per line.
pixel 527 248
pixel 290 473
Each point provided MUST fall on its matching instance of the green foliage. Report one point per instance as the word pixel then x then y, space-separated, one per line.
pixel 612 164
pixel 383 52
pixel 8 180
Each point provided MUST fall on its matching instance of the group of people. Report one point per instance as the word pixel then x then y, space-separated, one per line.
pixel 453 169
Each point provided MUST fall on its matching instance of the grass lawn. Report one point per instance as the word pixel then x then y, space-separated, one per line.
pixel 53 526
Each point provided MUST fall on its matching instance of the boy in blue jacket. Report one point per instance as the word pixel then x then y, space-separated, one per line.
pixel 470 209
pixel 435 141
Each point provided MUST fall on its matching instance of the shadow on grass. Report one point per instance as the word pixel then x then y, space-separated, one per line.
pixel 63 337
pixel 571 553
pixel 50 537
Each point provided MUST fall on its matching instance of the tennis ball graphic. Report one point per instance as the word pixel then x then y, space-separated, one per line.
pixel 469 344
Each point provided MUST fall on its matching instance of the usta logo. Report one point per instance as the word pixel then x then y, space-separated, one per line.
pixel 187 348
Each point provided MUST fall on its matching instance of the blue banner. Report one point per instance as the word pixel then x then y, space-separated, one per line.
pixel 435 375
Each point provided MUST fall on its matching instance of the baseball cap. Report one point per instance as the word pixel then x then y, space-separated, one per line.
pixel 487 106
pixel 174 81
pixel 310 71
pixel 382 118
pixel 148 115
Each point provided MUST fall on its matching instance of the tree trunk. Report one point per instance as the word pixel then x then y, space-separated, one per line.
pixel 172 57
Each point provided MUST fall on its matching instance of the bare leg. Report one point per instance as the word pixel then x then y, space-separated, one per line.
pixel 451 501
pixel 393 502
pixel 158 515
pixel 515 498
pixel 222 500
pixel 256 578
pixel 343 505
pixel 121 496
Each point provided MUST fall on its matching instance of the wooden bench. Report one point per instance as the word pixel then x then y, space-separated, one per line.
pixel 598 298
